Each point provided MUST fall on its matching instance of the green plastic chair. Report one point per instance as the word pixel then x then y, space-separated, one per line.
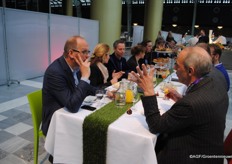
pixel 35 102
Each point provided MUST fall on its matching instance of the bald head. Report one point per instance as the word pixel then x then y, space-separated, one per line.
pixel 75 46
pixel 73 43
pixel 198 59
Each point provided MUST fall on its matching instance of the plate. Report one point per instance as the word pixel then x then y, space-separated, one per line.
pixel 90 99
pixel 161 61
pixel 164 52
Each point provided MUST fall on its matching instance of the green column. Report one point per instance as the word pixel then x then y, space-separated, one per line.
pixel 108 13
pixel 153 19
pixel 68 8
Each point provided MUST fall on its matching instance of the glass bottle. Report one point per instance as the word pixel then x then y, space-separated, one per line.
pixel 120 96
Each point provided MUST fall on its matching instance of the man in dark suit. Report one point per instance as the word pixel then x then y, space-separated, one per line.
pixel 66 80
pixel 117 62
pixel 194 126
pixel 203 37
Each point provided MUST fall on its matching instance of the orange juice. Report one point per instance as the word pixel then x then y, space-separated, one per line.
pixel 166 91
pixel 164 75
pixel 129 96
pixel 166 94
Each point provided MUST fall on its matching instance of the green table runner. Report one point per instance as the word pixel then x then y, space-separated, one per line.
pixel 95 129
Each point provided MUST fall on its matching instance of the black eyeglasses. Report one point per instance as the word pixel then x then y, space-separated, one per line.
pixel 85 52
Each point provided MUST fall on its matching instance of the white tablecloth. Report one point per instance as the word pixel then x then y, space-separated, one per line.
pixel 128 140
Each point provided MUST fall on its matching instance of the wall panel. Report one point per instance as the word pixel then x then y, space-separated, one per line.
pixel 27 43
pixel 34 39
pixel 89 29
pixel 62 27
pixel 3 77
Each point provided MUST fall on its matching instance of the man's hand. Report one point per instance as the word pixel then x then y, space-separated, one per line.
pixel 144 79
pixel 84 66
pixel 173 94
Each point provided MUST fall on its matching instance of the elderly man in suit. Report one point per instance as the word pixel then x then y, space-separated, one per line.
pixel 194 126
pixel 66 81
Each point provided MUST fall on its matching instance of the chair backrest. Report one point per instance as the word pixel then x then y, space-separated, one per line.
pixel 35 102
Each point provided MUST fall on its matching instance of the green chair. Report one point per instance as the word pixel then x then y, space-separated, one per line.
pixel 35 102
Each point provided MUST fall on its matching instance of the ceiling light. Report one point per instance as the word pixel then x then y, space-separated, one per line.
pixel 219 27
pixel 196 26
pixel 174 25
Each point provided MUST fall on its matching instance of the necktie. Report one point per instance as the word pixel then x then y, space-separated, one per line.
pixel 75 77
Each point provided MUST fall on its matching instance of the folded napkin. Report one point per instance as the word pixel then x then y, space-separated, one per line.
pixel 174 77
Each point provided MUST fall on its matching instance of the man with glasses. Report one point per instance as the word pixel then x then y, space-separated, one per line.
pixel 66 81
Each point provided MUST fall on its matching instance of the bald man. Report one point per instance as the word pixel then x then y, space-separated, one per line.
pixel 66 81
pixel 194 126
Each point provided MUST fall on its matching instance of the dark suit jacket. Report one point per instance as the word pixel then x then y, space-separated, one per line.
pixel 132 63
pixel 194 125
pixel 146 60
pixel 218 77
pixel 96 78
pixel 203 39
pixel 59 91
pixel 117 65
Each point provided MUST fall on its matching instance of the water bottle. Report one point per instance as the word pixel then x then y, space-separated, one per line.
pixel 120 95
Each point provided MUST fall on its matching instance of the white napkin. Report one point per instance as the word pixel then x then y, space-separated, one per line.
pixel 89 99
pixel 174 76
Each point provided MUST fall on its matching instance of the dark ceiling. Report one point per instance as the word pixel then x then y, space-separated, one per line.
pixel 209 13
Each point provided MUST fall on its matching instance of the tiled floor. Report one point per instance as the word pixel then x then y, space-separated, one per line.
pixel 16 129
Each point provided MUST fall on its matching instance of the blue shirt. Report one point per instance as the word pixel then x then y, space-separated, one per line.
pixel 221 68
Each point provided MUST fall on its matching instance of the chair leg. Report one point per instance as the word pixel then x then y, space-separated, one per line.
pixel 36 148
pixel 44 159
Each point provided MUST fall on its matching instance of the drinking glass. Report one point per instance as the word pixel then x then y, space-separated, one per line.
pixel 166 90
pixel 135 95
pixel 99 94
pixel 164 74
pixel 155 78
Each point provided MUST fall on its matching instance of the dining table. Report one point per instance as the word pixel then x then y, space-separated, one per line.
pixel 128 138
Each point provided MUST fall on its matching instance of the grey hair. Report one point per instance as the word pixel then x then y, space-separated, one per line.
pixel 199 60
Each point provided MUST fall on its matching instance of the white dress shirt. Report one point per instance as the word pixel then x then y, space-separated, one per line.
pixel 193 41
pixel 221 39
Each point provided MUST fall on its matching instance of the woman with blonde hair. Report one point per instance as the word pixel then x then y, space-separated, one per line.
pixel 99 72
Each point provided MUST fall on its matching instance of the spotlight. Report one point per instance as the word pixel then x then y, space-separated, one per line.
pixel 174 25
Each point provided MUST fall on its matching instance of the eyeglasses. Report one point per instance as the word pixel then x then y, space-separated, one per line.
pixel 85 52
